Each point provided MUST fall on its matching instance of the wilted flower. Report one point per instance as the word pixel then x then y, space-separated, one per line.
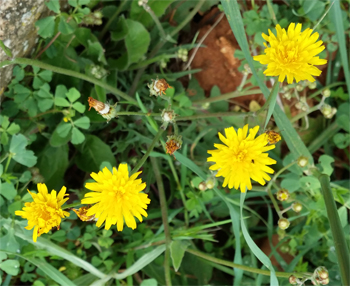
pixel 82 214
pixel 45 212
pixel 273 137
pixel 158 87
pixel 106 110
pixel 242 158
pixel 173 143
pixel 116 198
pixel 292 54
pixel 202 186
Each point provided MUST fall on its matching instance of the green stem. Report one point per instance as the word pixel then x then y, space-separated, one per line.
pixel 149 150
pixel 156 20
pixel 217 114
pixel 8 162
pixel 137 113
pixel 340 245
pixel 69 73
pixel 243 267
pixel 150 61
pixel 164 211
pixel 47 112
pixel 227 96
pixel 3 159
pixel 326 87
pixel 268 188
pixel 115 15
pixel 302 114
pixel 176 129
pixel 73 205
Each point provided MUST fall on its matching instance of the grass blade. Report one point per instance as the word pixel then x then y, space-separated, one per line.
pixel 233 214
pixel 337 19
pixel 340 245
pixel 271 102
pixel 256 250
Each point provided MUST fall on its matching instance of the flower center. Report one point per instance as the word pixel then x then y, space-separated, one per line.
pixel 288 52
pixel 240 155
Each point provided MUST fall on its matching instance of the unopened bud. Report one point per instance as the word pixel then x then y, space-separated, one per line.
pixel 168 116
pixel 182 54
pixel 283 223
pixel 312 85
pixel 210 182
pixel 326 93
pixel 324 281
pixel 202 186
pixel 282 195
pixel 98 15
pixel 302 161
pixel 322 272
pixel 297 207
pixel 299 87
pixel 328 111
pixel 293 280
pixel 287 95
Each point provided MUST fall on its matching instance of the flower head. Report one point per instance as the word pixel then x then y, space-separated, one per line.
pixel 116 198
pixel 292 54
pixel 173 144
pixel 242 158
pixel 45 211
pixel 158 87
pixel 81 213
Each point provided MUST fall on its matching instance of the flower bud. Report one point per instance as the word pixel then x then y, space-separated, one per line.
pixel 247 68
pixel 297 207
pixel 328 111
pixel 174 143
pixel 210 183
pixel 293 280
pixel 299 87
pixel 66 119
pixel 158 87
pixel 326 93
pixel 142 2
pixel 283 223
pixel 287 95
pixel 322 272
pixel 182 54
pixel 324 281
pixel 98 14
pixel 97 71
pixel 202 186
pixel 282 195
pixel 104 109
pixel 312 85
pixel 302 161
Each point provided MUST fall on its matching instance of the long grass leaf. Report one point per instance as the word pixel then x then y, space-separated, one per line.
pixel 339 28
pixel 340 245
pixel 295 144
pixel 256 250
pixel 233 214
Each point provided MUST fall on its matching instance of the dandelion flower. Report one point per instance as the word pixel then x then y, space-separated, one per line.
pixel 242 158
pixel 292 54
pixel 45 212
pixel 116 198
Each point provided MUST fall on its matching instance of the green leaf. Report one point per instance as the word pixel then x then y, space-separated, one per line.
pixel 10 266
pixel 83 122
pixel 341 140
pixel 20 154
pixel 61 91
pixel 136 41
pixel 64 27
pixel 64 129
pixel 79 107
pixel 271 102
pixel 56 140
pixel 73 94
pixel 54 5
pixel 13 129
pixel 46 75
pixel 8 191
pixel 45 104
pixel 121 30
pixel 60 101
pixel 149 282
pixel 8 242
pixel 57 159
pixel 73 3
pixel 101 93
pixel 177 252
pixel 46 26
pixel 77 136
pixel 326 164
pixel 343 122
pixel 4 122
pixel 92 153
pixel 96 51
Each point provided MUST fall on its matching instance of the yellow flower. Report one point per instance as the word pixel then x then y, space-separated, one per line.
pixel 116 198
pixel 292 54
pixel 45 211
pixel 242 158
